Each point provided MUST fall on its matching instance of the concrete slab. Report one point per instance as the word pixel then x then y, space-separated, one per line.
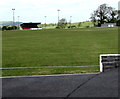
pixel 88 85
pixel 58 86
pixel 104 85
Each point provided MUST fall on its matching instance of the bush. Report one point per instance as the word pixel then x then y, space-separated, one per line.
pixel 57 27
pixel 61 26
pixel 87 26
pixel 9 28
pixel 73 26
pixel 4 28
pixel 14 27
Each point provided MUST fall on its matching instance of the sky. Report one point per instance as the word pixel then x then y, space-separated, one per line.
pixel 36 10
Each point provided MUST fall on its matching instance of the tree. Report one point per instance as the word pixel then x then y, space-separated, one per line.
pixel 118 18
pixel 62 23
pixel 9 28
pixel 94 18
pixel 4 28
pixel 14 27
pixel 103 14
pixel 112 15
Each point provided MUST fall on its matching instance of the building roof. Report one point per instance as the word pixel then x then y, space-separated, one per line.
pixel 29 25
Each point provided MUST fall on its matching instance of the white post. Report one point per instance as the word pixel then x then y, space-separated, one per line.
pixel 101 66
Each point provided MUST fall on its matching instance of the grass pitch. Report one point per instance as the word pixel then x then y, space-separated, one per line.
pixel 67 47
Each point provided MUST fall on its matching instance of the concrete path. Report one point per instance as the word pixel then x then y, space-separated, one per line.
pixel 86 85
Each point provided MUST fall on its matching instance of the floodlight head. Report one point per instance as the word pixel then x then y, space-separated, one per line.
pixel 13 8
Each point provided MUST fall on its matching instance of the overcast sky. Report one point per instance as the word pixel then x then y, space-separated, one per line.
pixel 35 10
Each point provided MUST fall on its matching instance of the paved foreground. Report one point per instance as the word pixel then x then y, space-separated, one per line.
pixel 86 85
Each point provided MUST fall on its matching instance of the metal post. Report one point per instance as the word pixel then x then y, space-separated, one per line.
pixel 45 21
pixel 18 23
pixel 58 16
pixel 70 20
pixel 13 18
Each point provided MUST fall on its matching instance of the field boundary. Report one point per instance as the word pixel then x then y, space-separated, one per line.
pixel 57 75
pixel 49 67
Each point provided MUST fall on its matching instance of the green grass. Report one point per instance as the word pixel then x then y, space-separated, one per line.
pixel 49 71
pixel 67 47
pixel 83 25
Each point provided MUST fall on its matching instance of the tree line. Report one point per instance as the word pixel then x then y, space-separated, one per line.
pixel 9 28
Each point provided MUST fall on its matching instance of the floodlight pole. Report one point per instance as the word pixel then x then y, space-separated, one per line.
pixel 13 9
pixel 70 20
pixel 45 21
pixel 58 16
pixel 18 23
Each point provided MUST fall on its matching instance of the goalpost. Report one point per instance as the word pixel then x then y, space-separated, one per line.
pixel 109 61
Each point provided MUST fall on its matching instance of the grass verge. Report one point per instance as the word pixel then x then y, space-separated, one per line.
pixel 49 71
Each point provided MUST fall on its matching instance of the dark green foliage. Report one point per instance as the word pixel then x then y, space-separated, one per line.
pixel 57 27
pixel 79 24
pixel 62 24
pixel 118 23
pixel 9 28
pixel 104 14
pixel 14 27
pixel 4 28
pixel 73 26
pixel 87 26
